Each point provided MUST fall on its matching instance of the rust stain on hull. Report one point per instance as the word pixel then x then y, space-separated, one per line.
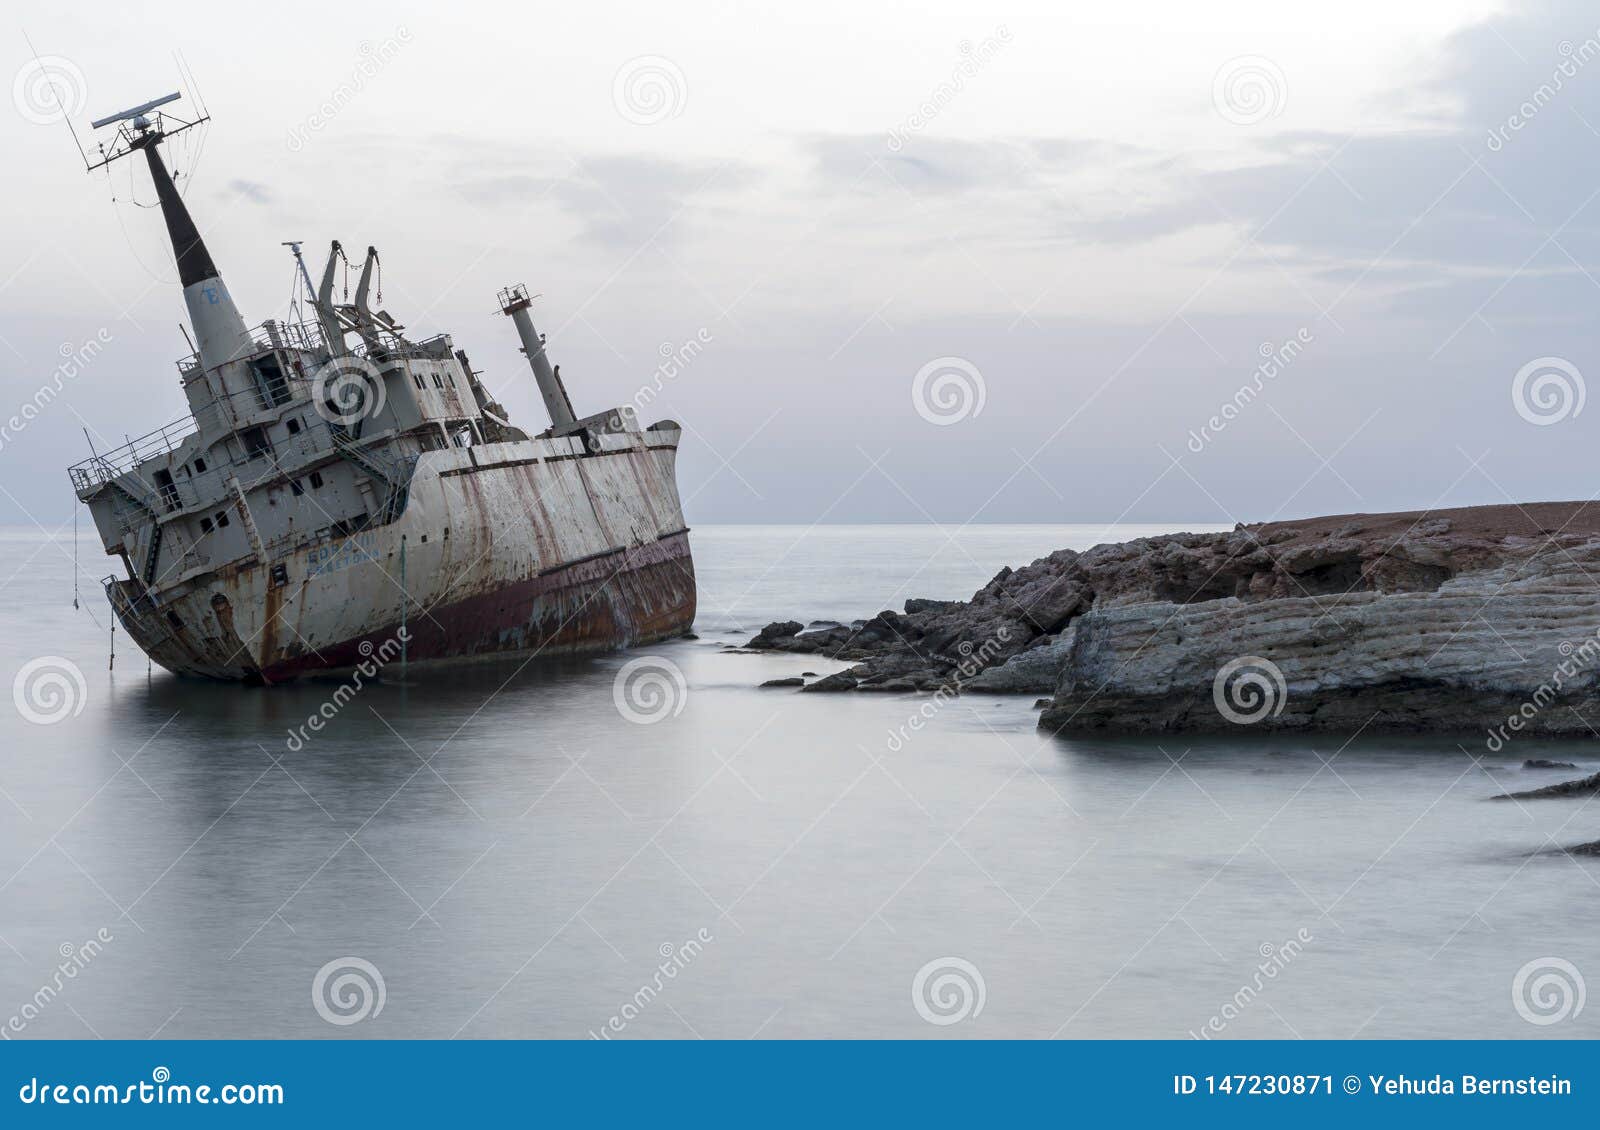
pixel 637 596
pixel 515 556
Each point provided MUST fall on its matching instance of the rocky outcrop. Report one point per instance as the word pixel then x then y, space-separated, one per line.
pixel 1583 786
pixel 1481 619
pixel 1032 671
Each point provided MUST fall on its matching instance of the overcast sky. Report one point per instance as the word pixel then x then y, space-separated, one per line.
pixel 1100 221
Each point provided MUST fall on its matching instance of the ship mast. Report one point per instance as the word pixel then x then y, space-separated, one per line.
pixel 219 331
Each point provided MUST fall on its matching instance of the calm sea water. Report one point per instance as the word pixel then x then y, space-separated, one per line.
pixel 511 853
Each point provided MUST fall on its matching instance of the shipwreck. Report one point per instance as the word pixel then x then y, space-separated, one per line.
pixel 337 486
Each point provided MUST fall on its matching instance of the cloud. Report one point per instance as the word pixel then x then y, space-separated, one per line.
pixel 621 201
pixel 253 191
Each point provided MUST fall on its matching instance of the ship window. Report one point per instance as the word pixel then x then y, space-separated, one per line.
pixel 316 480
pixel 222 519
pixel 437 383
pixel 451 377
pixel 294 426
pixel 416 379
pixel 348 526
pixel 174 620
pixel 199 466
pixel 256 443
pixel 280 575
pixel 295 488
pixel 270 383
pixel 168 488
pixel 205 525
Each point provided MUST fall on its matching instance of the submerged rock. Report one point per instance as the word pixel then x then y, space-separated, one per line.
pixel 796 681
pixel 841 681
pixel 1542 763
pixel 778 630
pixel 1581 787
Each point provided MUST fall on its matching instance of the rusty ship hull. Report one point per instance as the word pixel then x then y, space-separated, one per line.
pixel 538 547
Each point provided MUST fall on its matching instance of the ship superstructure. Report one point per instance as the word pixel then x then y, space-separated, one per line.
pixel 339 488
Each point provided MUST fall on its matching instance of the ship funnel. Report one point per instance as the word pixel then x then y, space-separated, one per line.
pixel 514 302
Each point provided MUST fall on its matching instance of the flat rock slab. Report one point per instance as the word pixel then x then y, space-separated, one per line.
pixel 1583 786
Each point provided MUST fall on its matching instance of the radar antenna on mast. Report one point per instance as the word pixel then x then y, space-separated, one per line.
pixel 138 112
pixel 220 334
pixel 137 128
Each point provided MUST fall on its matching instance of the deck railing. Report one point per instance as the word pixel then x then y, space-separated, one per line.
pixel 103 467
